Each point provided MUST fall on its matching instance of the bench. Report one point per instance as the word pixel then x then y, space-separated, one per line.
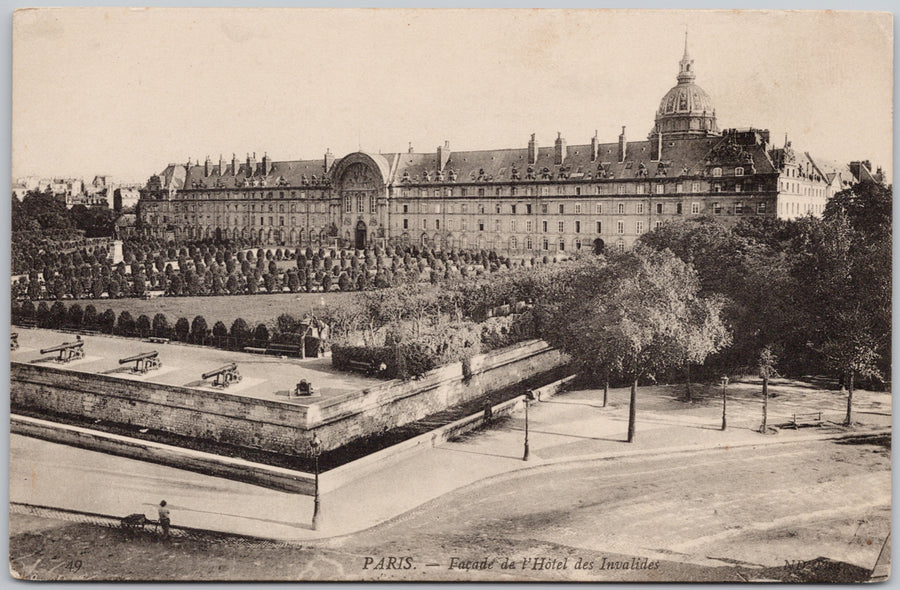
pixel 811 418
pixel 27 323
pixel 254 350
pixel 362 366
pixel 158 340
pixel 283 350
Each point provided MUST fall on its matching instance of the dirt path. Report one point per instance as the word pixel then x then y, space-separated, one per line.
pixel 718 516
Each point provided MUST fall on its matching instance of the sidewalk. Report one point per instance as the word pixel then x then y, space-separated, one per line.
pixel 569 428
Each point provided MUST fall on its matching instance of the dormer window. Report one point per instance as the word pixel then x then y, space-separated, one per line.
pixel 717 171
pixel 738 171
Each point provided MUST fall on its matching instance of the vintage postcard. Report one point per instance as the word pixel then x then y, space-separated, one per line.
pixel 451 295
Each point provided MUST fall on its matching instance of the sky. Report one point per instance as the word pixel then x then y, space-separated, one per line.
pixel 124 92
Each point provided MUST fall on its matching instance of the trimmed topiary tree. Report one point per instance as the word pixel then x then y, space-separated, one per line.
pixel 182 329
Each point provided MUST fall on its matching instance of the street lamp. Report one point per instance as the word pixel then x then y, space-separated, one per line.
pixel 724 385
pixel 529 396
pixel 316 444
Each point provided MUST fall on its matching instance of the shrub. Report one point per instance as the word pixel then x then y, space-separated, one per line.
pixel 182 329
pixel 42 315
pixel 160 326
pixel 27 309
pixel 107 321
pixel 261 335
pixel 90 316
pixel 143 326
pixel 57 315
pixel 240 331
pixel 220 332
pixel 125 324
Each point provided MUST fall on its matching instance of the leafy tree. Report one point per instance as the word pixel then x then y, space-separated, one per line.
pixel 143 326
pixel 220 332
pixel 639 315
pixel 57 314
pixel 767 362
pixel 90 316
pixel 42 315
pixel 75 315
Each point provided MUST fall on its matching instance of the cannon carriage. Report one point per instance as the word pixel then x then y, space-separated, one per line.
pixel 224 376
pixel 143 362
pixel 68 351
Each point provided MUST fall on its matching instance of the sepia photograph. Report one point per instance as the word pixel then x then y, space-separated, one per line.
pixel 450 295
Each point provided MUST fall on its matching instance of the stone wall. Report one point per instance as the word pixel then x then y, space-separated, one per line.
pixel 272 425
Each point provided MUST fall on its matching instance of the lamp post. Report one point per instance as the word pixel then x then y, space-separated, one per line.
pixel 529 396
pixel 315 443
pixel 724 385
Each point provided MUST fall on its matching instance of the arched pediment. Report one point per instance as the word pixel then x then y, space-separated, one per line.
pixel 360 168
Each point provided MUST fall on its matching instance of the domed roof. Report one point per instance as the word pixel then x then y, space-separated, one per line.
pixel 685 99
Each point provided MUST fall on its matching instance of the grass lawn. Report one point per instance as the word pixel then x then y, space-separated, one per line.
pixel 226 308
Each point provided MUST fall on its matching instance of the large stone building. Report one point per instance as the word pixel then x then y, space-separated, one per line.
pixel 520 201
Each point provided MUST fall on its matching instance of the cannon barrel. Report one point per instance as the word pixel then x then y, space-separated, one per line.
pixel 63 346
pixel 226 368
pixel 139 357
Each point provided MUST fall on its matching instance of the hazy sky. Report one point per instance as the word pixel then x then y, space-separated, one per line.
pixel 126 91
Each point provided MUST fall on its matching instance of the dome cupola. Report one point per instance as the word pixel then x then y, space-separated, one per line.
pixel 686 110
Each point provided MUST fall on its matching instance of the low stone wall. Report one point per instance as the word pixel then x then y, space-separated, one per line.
pixel 267 424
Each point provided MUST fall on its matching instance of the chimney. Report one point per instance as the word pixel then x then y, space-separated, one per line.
pixel 221 165
pixel 560 149
pixel 329 160
pixel 623 145
pixel 532 151
pixel 595 147
pixel 234 164
pixel 207 165
pixel 443 155
pixel 656 146
pixel 251 164
pixel 266 164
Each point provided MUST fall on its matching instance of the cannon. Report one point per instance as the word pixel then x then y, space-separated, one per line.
pixel 68 351
pixel 14 341
pixel 143 362
pixel 304 388
pixel 225 376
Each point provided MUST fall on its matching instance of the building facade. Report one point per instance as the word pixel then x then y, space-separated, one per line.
pixel 520 201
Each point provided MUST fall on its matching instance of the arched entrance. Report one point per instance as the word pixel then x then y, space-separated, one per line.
pixel 361 235
pixel 598 246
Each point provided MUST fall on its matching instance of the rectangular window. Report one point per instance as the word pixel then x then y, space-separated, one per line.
pixel 449 225
pixel 695 208
pixel 578 207
pixel 513 191
pixel 660 189
pixel 437 207
pixel 497 208
pixel 406 208
pixel 562 209
pixel 598 209
pixel 620 227
pixel 739 207
pixel 562 226
pixel 496 225
pixel 512 225
pixel 481 192
pixel 640 189
pixel 678 208
pixel 463 208
pixel 578 190
pixel 281 221
pixel 527 209
pixel 717 208
pixel 657 225
pixel 544 226
pixel 360 204
pixel 529 245
pixel 577 227
pixel 620 189
pixel 545 208
pixel 638 227
pixel 640 208
pixel 620 247
pixel 437 224
pixel 480 225
pixel 513 209
pixel 621 208
pixel 737 187
pixel 695 187
pixel 545 244
pixel 406 224
pixel 424 224
pixel 761 207
pixel 599 227
pixel 463 224
pixel 529 226
pixel 463 191
pixel 481 209
pixel 659 208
